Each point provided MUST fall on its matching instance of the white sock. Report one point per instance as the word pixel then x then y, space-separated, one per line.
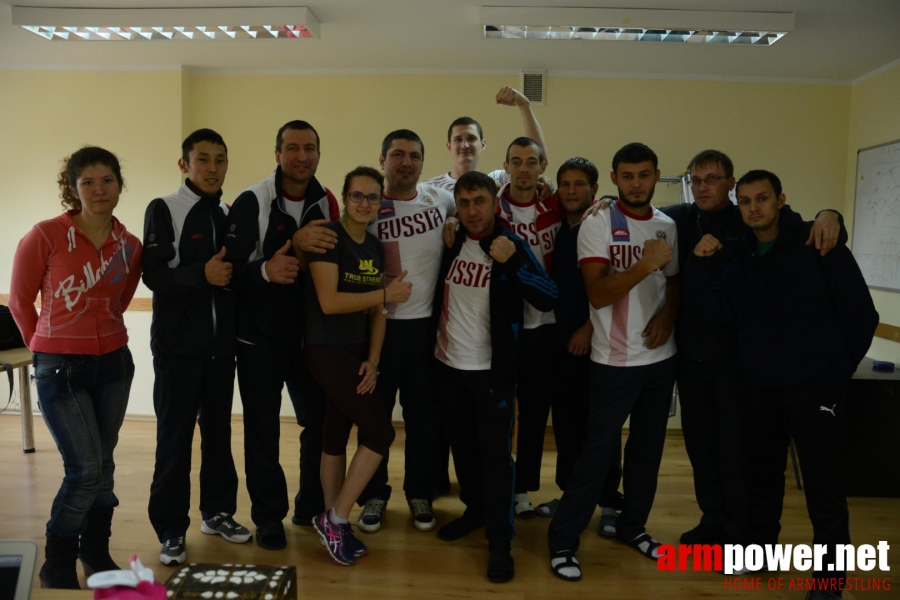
pixel 518 498
pixel 334 518
pixel 646 544
pixel 565 571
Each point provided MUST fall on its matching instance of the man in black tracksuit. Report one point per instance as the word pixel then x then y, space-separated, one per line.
pixel 805 322
pixel 577 183
pixel 485 278
pixel 258 241
pixel 192 339
pixel 709 377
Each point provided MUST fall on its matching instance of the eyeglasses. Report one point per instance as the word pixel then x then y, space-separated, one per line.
pixel 358 197
pixel 708 180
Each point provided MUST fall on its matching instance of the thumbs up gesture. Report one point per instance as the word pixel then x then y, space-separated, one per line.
pixel 282 268
pixel 398 290
pixel 217 271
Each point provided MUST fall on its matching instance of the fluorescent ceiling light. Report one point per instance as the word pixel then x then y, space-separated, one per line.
pixel 640 25
pixel 182 24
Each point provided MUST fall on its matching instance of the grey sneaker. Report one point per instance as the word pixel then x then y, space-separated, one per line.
pixel 223 524
pixel 423 514
pixel 173 551
pixel 372 514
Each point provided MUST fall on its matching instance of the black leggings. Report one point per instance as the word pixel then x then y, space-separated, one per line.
pixel 336 368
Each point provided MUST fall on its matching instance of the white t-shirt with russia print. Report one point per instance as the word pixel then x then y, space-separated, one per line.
pixel 522 219
pixel 616 237
pixel 411 232
pixel 464 330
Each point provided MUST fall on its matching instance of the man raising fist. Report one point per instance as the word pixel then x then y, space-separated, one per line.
pixel 628 258
pixel 484 280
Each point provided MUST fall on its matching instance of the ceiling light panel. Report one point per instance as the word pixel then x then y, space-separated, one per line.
pixel 639 25
pixel 167 24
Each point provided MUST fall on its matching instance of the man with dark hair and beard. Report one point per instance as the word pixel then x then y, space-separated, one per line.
pixel 628 259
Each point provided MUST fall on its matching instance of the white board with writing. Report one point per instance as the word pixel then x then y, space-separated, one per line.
pixel 876 221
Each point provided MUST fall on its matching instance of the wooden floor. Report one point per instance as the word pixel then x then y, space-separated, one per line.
pixel 403 562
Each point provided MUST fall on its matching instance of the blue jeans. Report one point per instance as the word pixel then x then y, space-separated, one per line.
pixel 83 399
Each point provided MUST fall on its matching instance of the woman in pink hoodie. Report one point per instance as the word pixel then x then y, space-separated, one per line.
pixel 86 267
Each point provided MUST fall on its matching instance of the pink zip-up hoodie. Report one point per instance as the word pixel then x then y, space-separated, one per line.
pixel 83 291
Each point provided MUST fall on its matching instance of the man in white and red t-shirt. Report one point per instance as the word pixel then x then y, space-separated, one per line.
pixel 521 210
pixel 628 258
pixel 409 225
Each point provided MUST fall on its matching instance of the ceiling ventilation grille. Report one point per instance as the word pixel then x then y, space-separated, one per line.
pixel 534 86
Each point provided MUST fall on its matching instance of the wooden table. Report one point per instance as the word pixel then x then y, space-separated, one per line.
pixel 20 359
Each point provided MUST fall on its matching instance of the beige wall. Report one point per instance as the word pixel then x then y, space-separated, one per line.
pixel 875 119
pixel 799 131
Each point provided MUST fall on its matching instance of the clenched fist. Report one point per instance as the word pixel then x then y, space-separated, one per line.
pixel 657 254
pixel 707 246
pixel 502 249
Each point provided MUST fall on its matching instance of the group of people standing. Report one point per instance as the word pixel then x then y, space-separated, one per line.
pixel 468 294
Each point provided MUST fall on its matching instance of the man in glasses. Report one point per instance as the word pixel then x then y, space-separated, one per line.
pixel 708 370
pixel 288 208
pixel 409 225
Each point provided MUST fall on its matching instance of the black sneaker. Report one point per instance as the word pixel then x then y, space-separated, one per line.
pixel 372 514
pixel 271 536
pixel 223 524
pixel 423 514
pixel 459 527
pixel 173 551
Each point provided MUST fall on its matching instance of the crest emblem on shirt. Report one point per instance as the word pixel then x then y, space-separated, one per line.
pixel 428 200
pixel 660 235
pixel 366 267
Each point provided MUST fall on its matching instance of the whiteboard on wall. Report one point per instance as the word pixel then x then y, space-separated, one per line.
pixel 876 220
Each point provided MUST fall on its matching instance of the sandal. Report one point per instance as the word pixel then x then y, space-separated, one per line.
pixel 565 559
pixel 644 544
pixel 607 527
pixel 547 509
pixel 523 507
pixel 501 567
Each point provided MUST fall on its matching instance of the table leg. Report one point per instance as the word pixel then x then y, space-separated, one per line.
pixel 27 418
